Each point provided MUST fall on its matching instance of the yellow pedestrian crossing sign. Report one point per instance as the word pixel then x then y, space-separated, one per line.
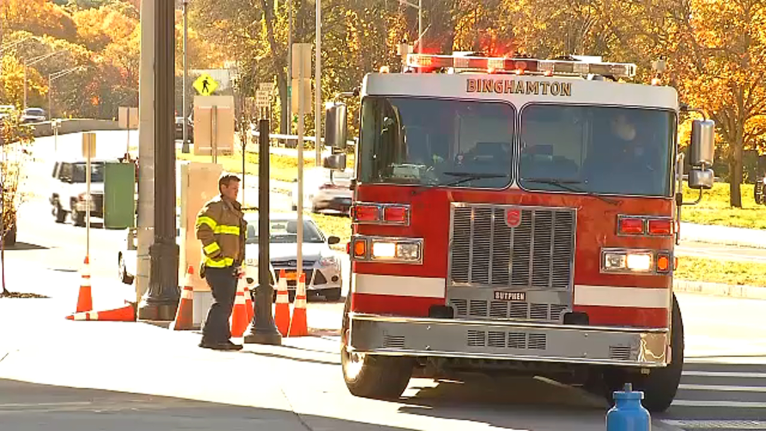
pixel 205 85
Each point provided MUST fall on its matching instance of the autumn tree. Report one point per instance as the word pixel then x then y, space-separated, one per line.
pixel 722 43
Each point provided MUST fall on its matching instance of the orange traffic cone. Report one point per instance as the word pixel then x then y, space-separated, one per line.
pixel 282 309
pixel 183 320
pixel 122 314
pixel 239 315
pixel 84 299
pixel 298 325
pixel 248 298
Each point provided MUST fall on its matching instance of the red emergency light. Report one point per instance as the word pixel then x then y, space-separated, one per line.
pixel 520 65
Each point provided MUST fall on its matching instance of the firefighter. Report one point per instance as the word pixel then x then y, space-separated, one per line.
pixel 221 228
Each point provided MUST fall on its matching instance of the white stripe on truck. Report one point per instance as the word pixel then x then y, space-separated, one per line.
pixel 615 296
pixel 395 285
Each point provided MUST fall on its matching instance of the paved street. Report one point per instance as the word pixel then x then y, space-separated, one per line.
pixel 723 382
pixel 134 374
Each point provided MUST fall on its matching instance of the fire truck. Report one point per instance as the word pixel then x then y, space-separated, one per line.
pixel 516 215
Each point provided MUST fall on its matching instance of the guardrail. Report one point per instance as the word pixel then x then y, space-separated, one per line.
pixel 74 125
pixel 295 138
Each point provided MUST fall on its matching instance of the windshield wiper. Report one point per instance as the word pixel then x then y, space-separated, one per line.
pixel 565 185
pixel 469 176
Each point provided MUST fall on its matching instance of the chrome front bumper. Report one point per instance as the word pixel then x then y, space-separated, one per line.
pixel 507 340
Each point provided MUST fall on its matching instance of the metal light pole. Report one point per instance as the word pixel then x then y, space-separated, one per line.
pixel 262 329
pixel 161 299
pixel 318 87
pixel 185 141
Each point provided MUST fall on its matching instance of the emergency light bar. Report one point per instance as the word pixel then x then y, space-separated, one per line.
pixel 521 65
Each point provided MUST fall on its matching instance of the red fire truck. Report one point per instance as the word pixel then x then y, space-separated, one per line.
pixel 516 215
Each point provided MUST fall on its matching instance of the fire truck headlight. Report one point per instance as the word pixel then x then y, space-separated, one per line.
pixel 614 261
pixel 402 250
pixel 384 250
pixel 639 261
pixel 628 261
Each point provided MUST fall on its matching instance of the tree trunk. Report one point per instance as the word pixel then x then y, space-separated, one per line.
pixel 736 168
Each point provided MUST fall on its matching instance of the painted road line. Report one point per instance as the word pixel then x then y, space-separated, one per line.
pixel 724 374
pixel 717 424
pixel 733 404
pixel 723 388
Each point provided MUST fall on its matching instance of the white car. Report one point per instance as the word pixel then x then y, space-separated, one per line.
pixel 321 265
pixel 127 262
pixel 325 189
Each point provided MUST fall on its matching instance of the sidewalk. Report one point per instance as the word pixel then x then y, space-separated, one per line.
pixel 297 386
pixel 756 238
pixel 294 387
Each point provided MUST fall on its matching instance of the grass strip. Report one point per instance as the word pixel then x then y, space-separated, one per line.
pixel 721 271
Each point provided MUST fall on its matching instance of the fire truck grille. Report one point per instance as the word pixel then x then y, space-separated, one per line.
pixel 536 254
pixel 474 309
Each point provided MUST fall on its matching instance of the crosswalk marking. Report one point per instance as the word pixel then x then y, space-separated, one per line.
pixel 724 374
pixel 713 403
pixel 717 424
pixel 726 388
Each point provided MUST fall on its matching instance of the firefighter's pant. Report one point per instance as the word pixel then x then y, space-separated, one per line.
pixel 223 286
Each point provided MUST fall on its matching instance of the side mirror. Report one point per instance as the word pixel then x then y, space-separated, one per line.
pixel 701 155
pixel 700 179
pixel 335 126
pixel 333 240
pixel 336 162
pixel 702 143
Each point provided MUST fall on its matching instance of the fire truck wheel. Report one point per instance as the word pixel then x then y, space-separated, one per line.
pixel 661 384
pixel 378 377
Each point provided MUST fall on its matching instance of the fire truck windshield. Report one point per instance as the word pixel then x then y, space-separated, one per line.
pixel 436 142
pixel 605 150
pixel 462 143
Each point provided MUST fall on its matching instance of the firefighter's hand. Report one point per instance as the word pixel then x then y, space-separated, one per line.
pixel 240 272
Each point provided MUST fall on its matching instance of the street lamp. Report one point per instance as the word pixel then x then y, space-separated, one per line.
pixel 31 62
pixel 54 76
pixel 420 21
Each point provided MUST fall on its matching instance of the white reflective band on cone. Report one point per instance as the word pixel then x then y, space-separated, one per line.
pixel 87 315
pixel 187 294
pixel 239 298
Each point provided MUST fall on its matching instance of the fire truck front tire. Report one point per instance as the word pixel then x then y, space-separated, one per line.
pixel 661 384
pixel 378 377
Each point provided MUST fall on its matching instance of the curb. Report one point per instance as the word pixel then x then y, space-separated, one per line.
pixel 724 235
pixel 720 289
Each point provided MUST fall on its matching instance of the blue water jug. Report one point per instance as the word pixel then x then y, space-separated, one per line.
pixel 628 414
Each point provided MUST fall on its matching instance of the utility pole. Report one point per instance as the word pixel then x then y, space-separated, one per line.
pixel 145 220
pixel 185 141
pixel 318 87
pixel 288 108
pixel 25 84
pixel 161 300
